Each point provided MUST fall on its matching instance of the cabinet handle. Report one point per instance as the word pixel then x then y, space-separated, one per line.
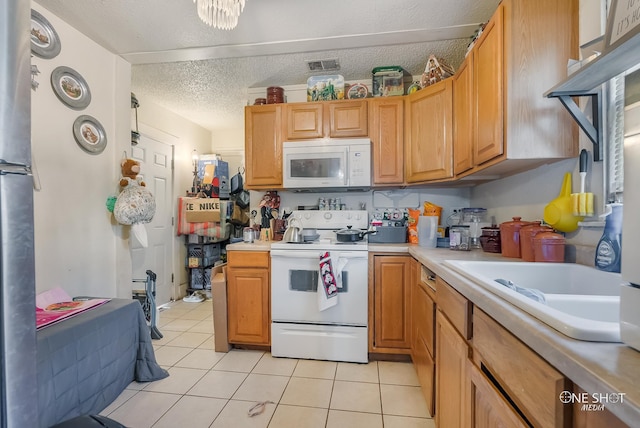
pixel 431 277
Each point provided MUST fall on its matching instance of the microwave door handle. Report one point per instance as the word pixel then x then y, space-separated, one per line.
pixel 346 166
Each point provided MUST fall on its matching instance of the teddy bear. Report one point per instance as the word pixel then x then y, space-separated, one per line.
pixel 130 171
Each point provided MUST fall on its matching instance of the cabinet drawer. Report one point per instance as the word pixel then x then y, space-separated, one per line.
pixel 250 259
pixel 455 306
pixel 490 409
pixel 532 384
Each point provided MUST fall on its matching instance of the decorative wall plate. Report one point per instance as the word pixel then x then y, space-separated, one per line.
pixel 70 87
pixel 45 42
pixel 359 90
pixel 89 134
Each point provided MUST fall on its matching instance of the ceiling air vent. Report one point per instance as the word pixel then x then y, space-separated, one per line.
pixel 323 65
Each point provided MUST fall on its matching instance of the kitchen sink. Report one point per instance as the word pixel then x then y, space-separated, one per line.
pixel 579 301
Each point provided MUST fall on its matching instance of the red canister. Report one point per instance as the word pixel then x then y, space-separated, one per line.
pixel 510 237
pixel 527 233
pixel 549 247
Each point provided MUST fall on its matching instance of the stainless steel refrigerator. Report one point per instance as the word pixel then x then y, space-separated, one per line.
pixel 18 383
pixel 630 292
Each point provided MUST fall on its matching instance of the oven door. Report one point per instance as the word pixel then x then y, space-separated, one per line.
pixel 294 288
pixel 314 166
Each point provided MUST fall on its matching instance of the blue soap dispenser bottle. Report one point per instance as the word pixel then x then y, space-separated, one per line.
pixel 609 249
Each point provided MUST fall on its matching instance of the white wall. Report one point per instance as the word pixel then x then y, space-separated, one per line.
pixel 75 238
pixel 79 246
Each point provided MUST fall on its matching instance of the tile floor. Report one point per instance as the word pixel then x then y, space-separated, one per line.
pixel 212 389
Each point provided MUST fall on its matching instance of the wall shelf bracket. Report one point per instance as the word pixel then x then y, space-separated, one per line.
pixel 593 128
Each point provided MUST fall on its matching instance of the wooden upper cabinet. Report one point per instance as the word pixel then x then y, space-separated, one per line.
pixel 463 117
pixel 521 53
pixel 387 139
pixel 333 119
pixel 428 133
pixel 263 145
pixel 488 85
pixel 347 119
pixel 304 120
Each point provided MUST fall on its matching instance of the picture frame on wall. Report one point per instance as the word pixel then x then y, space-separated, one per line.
pixel 622 23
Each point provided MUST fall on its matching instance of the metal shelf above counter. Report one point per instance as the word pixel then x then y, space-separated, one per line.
pixel 613 61
pixel 586 81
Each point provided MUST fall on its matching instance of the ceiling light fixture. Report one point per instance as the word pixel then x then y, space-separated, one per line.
pixel 222 14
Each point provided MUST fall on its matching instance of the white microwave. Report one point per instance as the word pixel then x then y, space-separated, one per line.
pixel 332 164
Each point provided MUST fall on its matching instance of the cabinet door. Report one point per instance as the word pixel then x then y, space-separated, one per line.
pixel 248 306
pixel 348 119
pixel 489 408
pixel 387 139
pixel 452 383
pixel 488 89
pixel 392 293
pixel 422 337
pixel 429 126
pixel 303 121
pixel 263 145
pixel 463 117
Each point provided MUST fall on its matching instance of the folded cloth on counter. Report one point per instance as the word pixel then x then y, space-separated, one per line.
pixel 330 280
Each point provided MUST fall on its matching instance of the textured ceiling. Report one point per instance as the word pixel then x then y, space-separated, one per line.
pixel 203 73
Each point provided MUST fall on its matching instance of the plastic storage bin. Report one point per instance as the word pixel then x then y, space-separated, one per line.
pixel 389 81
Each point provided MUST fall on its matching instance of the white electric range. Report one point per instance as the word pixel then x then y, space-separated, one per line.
pixel 299 328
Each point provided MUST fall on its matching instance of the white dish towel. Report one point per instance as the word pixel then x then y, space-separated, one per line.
pixel 330 279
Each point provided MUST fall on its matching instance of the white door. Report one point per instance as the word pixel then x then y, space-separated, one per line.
pixel 156 167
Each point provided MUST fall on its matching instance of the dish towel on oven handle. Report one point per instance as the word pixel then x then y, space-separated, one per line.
pixel 330 279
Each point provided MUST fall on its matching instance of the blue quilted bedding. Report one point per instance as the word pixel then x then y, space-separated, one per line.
pixel 85 362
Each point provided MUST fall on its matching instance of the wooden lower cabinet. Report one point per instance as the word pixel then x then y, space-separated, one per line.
pixel 248 298
pixel 452 382
pixel 423 309
pixel 489 409
pixel 390 291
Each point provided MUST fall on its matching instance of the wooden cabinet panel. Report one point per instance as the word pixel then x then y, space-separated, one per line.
pixel 392 294
pixel 452 383
pixel 304 120
pixel 456 306
pixel 532 384
pixel 248 297
pixel 428 133
pixel 463 117
pixel 251 259
pixel 263 146
pixel 488 84
pixel 489 408
pixel 599 419
pixel 348 119
pixel 248 300
pixel 387 138
pixel 335 119
pixel 422 336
